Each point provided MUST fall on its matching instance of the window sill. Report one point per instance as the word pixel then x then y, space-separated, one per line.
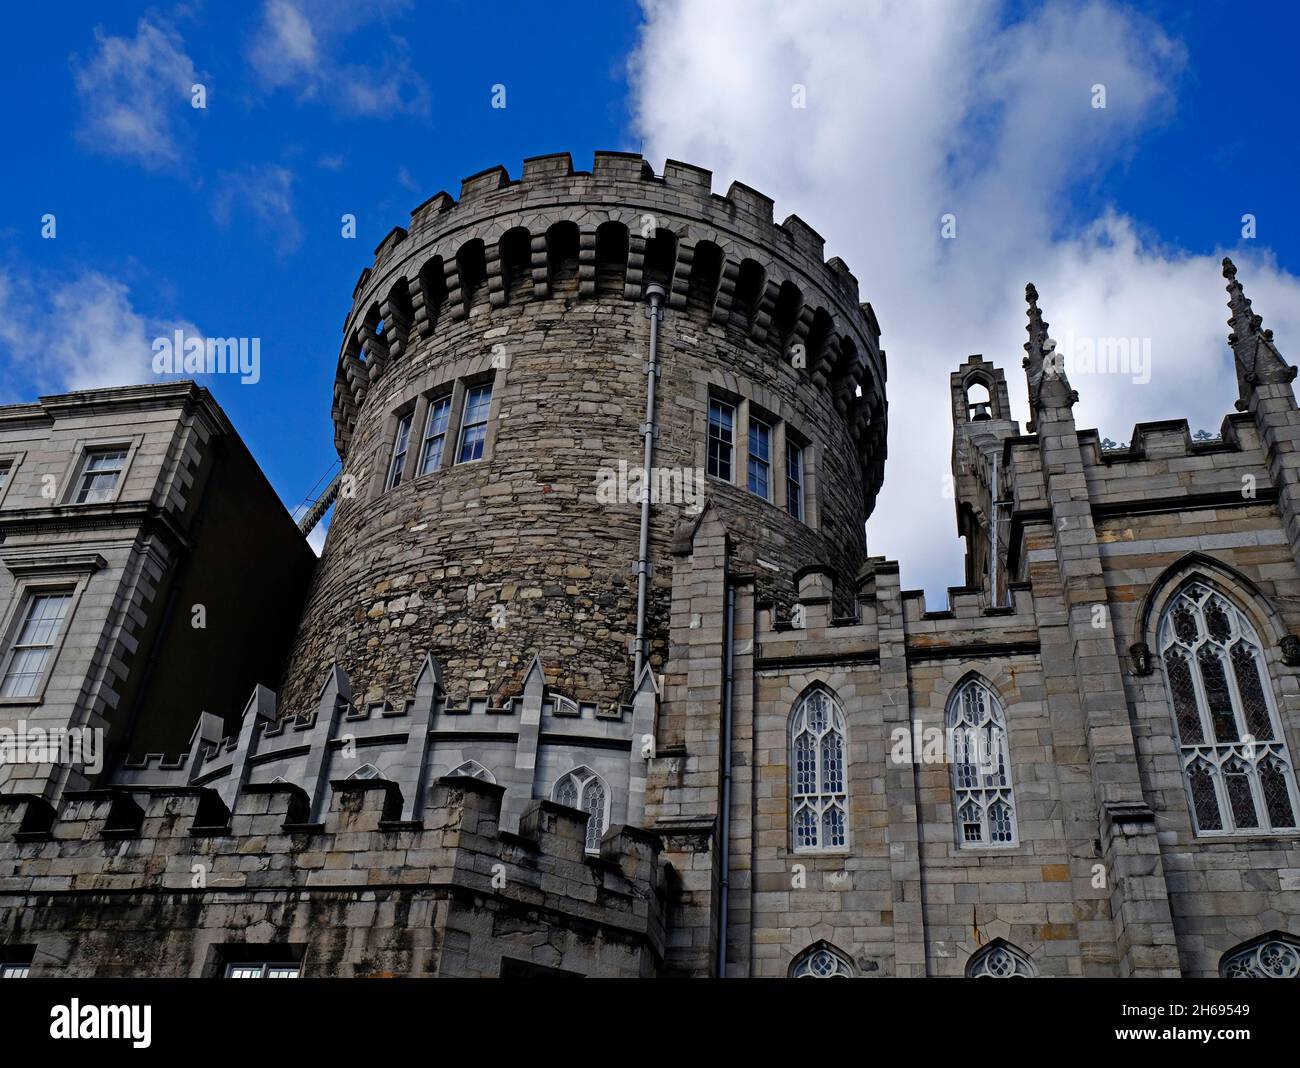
pixel 1245 836
pixel 838 851
pixel 770 503
pixel 19 702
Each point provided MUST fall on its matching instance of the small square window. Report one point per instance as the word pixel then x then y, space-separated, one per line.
pixel 262 970
pixel 98 478
pixel 16 961
pixel 473 427
pixel 34 641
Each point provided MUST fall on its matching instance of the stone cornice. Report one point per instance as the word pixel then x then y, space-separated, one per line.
pixel 78 517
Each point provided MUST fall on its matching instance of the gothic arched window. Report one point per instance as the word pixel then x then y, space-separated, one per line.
pixel 1235 761
pixel 1275 956
pixel 821 961
pixel 818 780
pixel 472 769
pixel 982 796
pixel 583 789
pixel 1000 960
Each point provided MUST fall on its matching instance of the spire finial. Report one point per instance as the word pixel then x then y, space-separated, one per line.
pixel 1244 321
pixel 1044 366
pixel 1253 351
pixel 1037 324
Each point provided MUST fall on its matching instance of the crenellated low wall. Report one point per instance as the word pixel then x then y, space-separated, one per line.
pixel 170 881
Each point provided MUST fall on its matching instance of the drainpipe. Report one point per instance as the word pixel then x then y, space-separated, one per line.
pixel 724 833
pixel 654 295
pixel 993 536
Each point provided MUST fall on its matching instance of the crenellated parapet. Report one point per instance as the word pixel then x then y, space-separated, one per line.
pixel 607 234
pixel 525 744
pixel 968 626
pixel 180 869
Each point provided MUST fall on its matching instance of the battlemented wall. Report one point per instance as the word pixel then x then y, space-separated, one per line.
pixel 172 877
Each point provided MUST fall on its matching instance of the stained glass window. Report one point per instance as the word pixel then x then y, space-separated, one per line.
pixel 821 962
pixel 1275 957
pixel 1000 960
pixel 1235 762
pixel 583 789
pixel 472 769
pixel 982 795
pixel 819 792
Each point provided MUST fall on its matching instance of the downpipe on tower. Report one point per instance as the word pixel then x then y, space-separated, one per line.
pixel 649 431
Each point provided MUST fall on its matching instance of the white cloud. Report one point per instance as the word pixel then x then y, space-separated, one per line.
pixel 915 110
pixel 299 46
pixel 261 197
pixel 77 334
pixel 133 91
pixel 405 180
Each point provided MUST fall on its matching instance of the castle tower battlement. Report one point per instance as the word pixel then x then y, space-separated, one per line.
pixel 491 410
pixel 616 229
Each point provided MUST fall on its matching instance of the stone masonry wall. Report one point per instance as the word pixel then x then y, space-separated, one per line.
pixel 169 877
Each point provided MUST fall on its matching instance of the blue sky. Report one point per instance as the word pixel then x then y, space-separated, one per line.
pixel 227 218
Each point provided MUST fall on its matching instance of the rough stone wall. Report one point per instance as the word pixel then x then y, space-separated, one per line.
pixel 169 884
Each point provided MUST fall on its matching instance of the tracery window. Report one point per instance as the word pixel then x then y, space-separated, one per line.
pixel 583 789
pixel 1000 960
pixel 821 961
pixel 983 799
pixel 1274 957
pixel 818 780
pixel 1236 766
pixel 472 769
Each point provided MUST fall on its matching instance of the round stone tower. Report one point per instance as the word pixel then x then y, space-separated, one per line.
pixel 490 409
